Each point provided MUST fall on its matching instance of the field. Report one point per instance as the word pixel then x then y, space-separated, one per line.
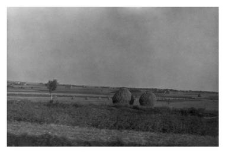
pixel 85 116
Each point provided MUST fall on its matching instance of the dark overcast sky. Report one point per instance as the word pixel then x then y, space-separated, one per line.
pixel 134 47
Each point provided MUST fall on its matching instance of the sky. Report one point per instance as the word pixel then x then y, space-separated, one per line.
pixel 175 48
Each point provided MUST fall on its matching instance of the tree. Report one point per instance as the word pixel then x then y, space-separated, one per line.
pixel 51 85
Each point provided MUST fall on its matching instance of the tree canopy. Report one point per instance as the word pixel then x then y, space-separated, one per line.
pixel 52 85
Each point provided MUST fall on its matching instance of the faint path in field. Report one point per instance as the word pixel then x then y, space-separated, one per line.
pixel 104 135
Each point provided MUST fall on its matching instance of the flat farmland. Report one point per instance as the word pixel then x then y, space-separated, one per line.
pixel 178 119
pixel 99 96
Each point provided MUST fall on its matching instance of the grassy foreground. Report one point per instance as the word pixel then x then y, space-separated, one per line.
pixel 163 120
pixel 34 134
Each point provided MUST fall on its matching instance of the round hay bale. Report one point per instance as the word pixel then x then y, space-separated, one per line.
pixel 147 99
pixel 122 97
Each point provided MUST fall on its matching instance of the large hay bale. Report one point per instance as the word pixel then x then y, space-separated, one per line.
pixel 122 97
pixel 147 99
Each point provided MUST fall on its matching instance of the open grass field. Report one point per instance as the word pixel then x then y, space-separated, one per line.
pixel 31 134
pixel 84 116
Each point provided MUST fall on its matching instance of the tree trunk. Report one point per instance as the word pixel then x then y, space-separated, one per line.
pixel 51 96
pixel 51 100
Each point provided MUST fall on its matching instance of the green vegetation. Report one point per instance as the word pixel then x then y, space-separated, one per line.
pixel 50 140
pixel 165 120
pixel 43 140
pixel 157 140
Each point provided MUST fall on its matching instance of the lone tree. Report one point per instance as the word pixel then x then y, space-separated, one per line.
pixel 51 85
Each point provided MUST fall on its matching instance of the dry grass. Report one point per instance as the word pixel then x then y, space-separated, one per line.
pixel 164 120
pixel 107 137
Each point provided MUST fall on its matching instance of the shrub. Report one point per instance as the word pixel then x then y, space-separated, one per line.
pixel 51 101
pixel 136 107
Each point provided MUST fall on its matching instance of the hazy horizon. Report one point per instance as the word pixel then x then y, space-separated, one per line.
pixel 173 48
